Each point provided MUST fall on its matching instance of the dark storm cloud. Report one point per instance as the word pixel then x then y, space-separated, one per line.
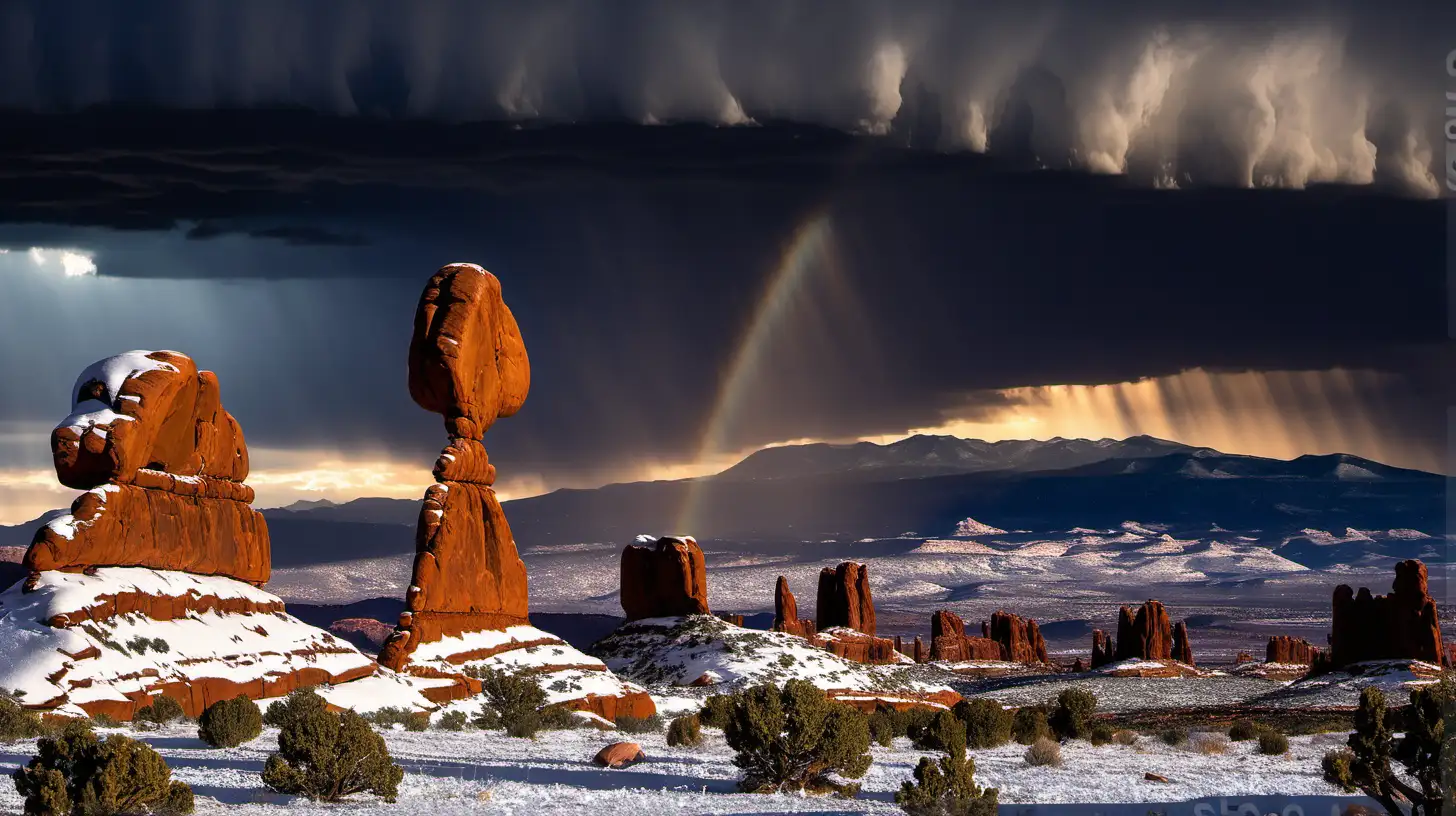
pixel 293 236
pixel 635 266
pixel 1240 93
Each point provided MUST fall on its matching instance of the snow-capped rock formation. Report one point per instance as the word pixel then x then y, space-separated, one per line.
pixel 149 585
pixel 664 577
pixel 970 528
pixel 466 605
pixel 163 465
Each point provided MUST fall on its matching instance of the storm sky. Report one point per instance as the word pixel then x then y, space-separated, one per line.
pixel 726 225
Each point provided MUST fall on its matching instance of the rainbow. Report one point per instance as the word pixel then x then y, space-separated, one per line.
pixel 809 249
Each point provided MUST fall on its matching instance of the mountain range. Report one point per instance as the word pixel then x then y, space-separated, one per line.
pixel 921 486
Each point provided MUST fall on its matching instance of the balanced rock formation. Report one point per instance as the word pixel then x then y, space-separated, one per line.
pixel 467 603
pixel 844 599
pixel 950 643
pixel 664 578
pixel 149 585
pixel 1286 649
pixel 1020 640
pixel 1102 649
pixel 786 612
pixel 1401 625
pixel 162 464
pixel 1182 650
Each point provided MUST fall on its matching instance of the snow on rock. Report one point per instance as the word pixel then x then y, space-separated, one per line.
pixel 970 528
pixel 113 371
pixel 701 649
pixel 122 648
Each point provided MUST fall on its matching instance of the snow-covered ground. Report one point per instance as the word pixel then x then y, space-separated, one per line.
pixel 487 772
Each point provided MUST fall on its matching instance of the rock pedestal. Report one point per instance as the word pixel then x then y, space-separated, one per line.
pixel 1182 649
pixel 1400 625
pixel 1102 649
pixel 844 599
pixel 467 601
pixel 786 612
pixel 664 578
pixel 150 585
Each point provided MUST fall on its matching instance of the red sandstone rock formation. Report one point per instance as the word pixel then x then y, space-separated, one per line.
pixel 1182 650
pixel 844 598
pixel 467 360
pixel 1149 635
pixel 918 651
pixel 1286 649
pixel 1401 625
pixel 668 579
pixel 1020 641
pixel 786 612
pixel 949 642
pixel 1102 649
pixel 162 464
pixel 859 647
pixel 1243 657
pixel 1078 666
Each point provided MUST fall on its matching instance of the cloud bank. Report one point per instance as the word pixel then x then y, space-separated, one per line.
pixel 1168 93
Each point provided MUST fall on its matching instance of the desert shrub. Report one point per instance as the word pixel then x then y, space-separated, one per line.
pixel 1029 724
pixel 161 710
pixel 1273 743
pixel 1044 751
pixel 486 719
pixel 299 702
pixel 1072 716
pixel 1338 769
pixel 417 721
pixel 230 723
pixel 104 721
pixel 793 738
pixel 685 731
pixel 1125 737
pixel 1174 736
pixel 715 710
pixel 452 721
pixel 1101 734
pixel 388 717
pixel 328 757
pixel 1209 743
pixel 1243 730
pixel 18 722
pixel 560 718
pixel 947 787
pixel 75 772
pixel 888 723
pixel 943 731
pixel 882 727
pixel 987 723
pixel 640 725
pixel 516 699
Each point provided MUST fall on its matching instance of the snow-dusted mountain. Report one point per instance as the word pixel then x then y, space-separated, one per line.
pixel 921 455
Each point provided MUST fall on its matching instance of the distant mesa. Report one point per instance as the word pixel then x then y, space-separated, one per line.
pixel 467 601
pixel 1290 650
pixel 158 562
pixel 970 528
pixel 664 577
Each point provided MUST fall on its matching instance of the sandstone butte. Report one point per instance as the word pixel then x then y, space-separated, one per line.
pixel 1401 625
pixel 163 535
pixel 467 600
pixel 664 578
pixel 950 643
